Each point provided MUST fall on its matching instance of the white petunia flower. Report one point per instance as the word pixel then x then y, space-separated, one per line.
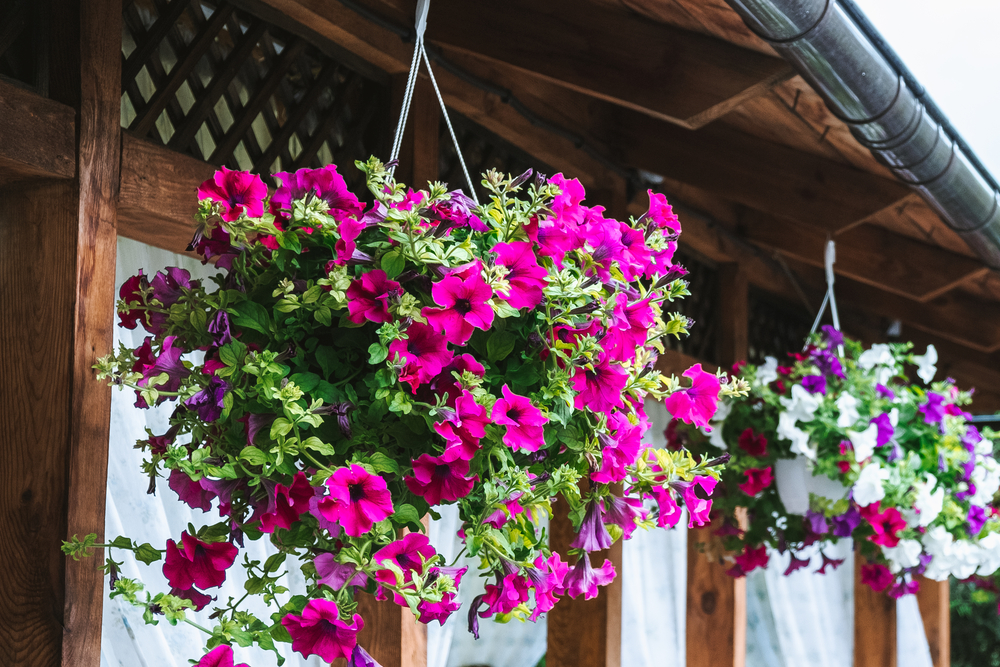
pixel 927 364
pixel 802 405
pixel 989 555
pixel 799 438
pixel 847 405
pixel 716 423
pixel 768 373
pixel 938 543
pixel 894 417
pixel 929 502
pixel 984 447
pixel 868 489
pixel 965 557
pixel 986 477
pixel 864 442
pixel 903 555
pixel 879 355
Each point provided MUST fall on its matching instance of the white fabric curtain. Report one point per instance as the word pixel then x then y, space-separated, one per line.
pixel 804 619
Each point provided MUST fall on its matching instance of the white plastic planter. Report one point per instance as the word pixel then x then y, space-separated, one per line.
pixel 795 482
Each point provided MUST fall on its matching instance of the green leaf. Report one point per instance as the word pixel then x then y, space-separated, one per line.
pixel 147 553
pixel 406 514
pixel 252 315
pixel 274 562
pixel 121 542
pixel 312 294
pixel 377 353
pixel 280 427
pixel 328 360
pixel 382 463
pixel 231 354
pixel 317 445
pixel 218 532
pixel 324 315
pixel 325 391
pixel 290 241
pixel 393 263
pixel 253 456
pixel 499 346
pixel 305 381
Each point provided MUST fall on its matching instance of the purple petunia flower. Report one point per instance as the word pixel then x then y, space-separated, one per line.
pixel 884 392
pixel 814 384
pixel 976 519
pixel 885 429
pixel 934 409
pixel 817 522
pixel 208 402
pixel 845 524
pixel 834 337
pixel 593 536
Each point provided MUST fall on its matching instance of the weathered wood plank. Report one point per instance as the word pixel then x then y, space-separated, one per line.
pixel 37 136
pixel 716 609
pixel 584 633
pixel 158 193
pixel 391 634
pixel 935 610
pixel 874 624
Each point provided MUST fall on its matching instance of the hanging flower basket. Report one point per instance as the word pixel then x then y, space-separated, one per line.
pixel 835 446
pixel 359 367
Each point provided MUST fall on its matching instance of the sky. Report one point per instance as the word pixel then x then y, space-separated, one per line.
pixel 953 49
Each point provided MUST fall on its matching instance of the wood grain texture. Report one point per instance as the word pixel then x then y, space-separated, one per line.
pixel 391 634
pixel 37 136
pixel 934 600
pixel 716 609
pixel 584 633
pixel 38 231
pixel 612 55
pixel 98 155
pixel 158 193
pixel 734 306
pixel 874 624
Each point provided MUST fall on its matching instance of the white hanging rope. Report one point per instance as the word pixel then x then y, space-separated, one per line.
pixel 829 298
pixel 420 53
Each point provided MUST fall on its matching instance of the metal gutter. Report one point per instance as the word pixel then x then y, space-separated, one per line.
pixel 864 83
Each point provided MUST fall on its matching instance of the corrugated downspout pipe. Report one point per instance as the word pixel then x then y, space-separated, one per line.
pixel 857 78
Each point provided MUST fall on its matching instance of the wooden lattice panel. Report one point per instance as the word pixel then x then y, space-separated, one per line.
pixel 776 328
pixel 222 85
pixel 23 43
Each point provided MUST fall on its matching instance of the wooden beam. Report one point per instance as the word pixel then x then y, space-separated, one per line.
pixel 734 307
pixel 37 136
pixel 716 609
pixel 869 254
pixel 584 633
pixel 392 636
pixel 874 624
pixel 934 600
pixel 672 74
pixel 158 193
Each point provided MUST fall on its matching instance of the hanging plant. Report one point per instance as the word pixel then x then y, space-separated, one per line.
pixel 361 367
pixel 839 445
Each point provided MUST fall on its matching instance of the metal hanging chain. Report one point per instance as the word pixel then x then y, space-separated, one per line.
pixel 829 298
pixel 420 54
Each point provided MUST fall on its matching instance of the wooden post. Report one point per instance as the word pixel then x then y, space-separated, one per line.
pixel 874 624
pixel 419 157
pixel 585 633
pixel 391 634
pixel 57 281
pixel 716 603
pixel 934 601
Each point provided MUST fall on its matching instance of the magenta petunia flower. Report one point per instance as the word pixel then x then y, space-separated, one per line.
pixel 346 248
pixel 208 402
pixel 237 192
pixel 463 428
pixel 593 536
pixel 457 212
pixel 220 656
pixel 751 559
pixel 523 420
pixel 886 524
pixel 876 575
pixel 602 238
pixel 599 388
pixel 623 512
pixel 548 579
pixel 814 384
pixel 464 307
pixel 556 235
pixel 620 450
pixel 168 286
pixel 635 256
pixel 505 595
pixel 795 564
pixel 198 563
pixel 903 587
pixel 751 444
pixel 629 328
pixel 757 480
pixel 319 631
pixel 511 507
pixel 337 575
pixel 168 362
pixel 368 297
pixel 190 491
pixel 438 480
pixel 324 183
pixel 131 292
pixel 885 429
pixel 286 503
pixel 832 563
pixel 440 611
pixel 357 501
pixel 583 579
pixel 697 404
pixel 423 353
pixel 445 383
pixel 526 278
pixel 409 554
pixel 669 511
pixel 698 508
pixel 194 596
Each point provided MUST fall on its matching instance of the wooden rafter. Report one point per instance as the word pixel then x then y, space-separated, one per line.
pixel 37 136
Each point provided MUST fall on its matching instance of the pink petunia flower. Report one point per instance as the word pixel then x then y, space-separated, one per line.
pixel 506 595
pixel 445 383
pixel 630 328
pixel 556 235
pixel 194 596
pixel 220 656
pixel 885 524
pixel 511 508
pixel 698 508
pixel 440 611
pixel 346 248
pixel 286 503
pixel 324 183
pixel 357 501
pixel 523 420
pixel 583 579
pixel 190 491
pixel 438 480
pixel 457 212
pixel 464 307
pixel 237 192
pixel 423 353
pixel 409 554
pixel 751 444
pixel 593 536
pixel 337 575
pixel 620 450
pixel 131 292
pixel 599 388
pixel 319 631
pixel 197 563
pixel 669 510
pixel 696 404
pixel 463 428
pixel 368 297
pixel 876 575
pixel 750 560
pixel 168 362
pixel 757 480
pixel 635 256
pixel 548 579
pixel 526 278
pixel 623 512
pixel 602 238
